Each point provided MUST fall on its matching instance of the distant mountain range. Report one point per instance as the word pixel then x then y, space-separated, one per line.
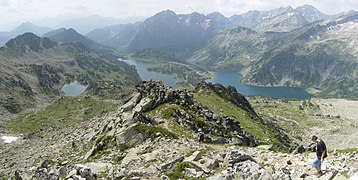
pixel 184 32
pixel 82 25
pixel 23 28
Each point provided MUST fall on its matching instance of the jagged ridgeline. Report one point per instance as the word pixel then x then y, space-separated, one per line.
pixel 156 110
pixel 154 119
pixel 33 70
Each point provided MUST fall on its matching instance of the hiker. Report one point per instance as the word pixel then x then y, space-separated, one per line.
pixel 321 153
pixel 200 135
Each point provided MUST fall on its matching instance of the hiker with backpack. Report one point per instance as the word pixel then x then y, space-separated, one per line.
pixel 321 154
pixel 200 135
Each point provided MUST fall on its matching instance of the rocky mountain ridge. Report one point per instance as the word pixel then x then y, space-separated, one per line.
pixel 70 35
pixel 139 141
pixel 181 33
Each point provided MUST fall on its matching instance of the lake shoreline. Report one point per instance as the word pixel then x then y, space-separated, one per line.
pixel 225 78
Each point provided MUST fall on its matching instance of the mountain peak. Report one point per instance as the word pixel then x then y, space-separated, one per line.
pixel 288 8
pixel 215 14
pixel 167 15
pixel 167 12
pixel 70 35
pixel 310 13
pixel 29 27
pixel 28 42
pixel 26 24
pixel 64 35
pixel 72 30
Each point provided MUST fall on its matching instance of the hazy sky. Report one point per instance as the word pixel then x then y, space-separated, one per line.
pixel 16 11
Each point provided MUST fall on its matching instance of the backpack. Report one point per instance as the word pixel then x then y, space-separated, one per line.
pixel 201 136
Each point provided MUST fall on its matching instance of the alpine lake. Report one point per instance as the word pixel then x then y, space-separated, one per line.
pixel 225 78
pixel 74 88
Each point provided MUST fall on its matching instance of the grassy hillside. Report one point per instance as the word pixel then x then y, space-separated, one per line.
pixel 63 112
pixel 253 126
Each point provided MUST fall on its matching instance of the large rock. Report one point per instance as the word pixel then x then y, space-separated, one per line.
pixel 299 149
pixel 98 168
pixel 194 157
pixel 129 137
pixel 169 165
pixel 146 104
pixel 265 175
pixel 236 156
pixel 132 102
pixel 200 167
pixel 213 164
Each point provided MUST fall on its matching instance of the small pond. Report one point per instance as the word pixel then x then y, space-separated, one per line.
pixel 74 88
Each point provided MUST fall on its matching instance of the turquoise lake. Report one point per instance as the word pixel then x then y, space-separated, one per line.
pixel 226 79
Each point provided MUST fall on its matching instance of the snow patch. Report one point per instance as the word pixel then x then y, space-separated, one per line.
pixel 9 139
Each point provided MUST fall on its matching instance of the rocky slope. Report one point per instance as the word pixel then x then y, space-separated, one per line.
pixel 152 135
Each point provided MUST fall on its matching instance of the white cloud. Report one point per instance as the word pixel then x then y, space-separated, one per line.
pixel 12 11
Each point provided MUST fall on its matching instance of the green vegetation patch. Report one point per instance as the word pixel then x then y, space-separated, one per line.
pixel 165 110
pixel 202 151
pixel 175 127
pixel 154 54
pixel 186 75
pixel 254 127
pixel 295 116
pixel 348 150
pixel 178 172
pixel 63 112
pixel 152 131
